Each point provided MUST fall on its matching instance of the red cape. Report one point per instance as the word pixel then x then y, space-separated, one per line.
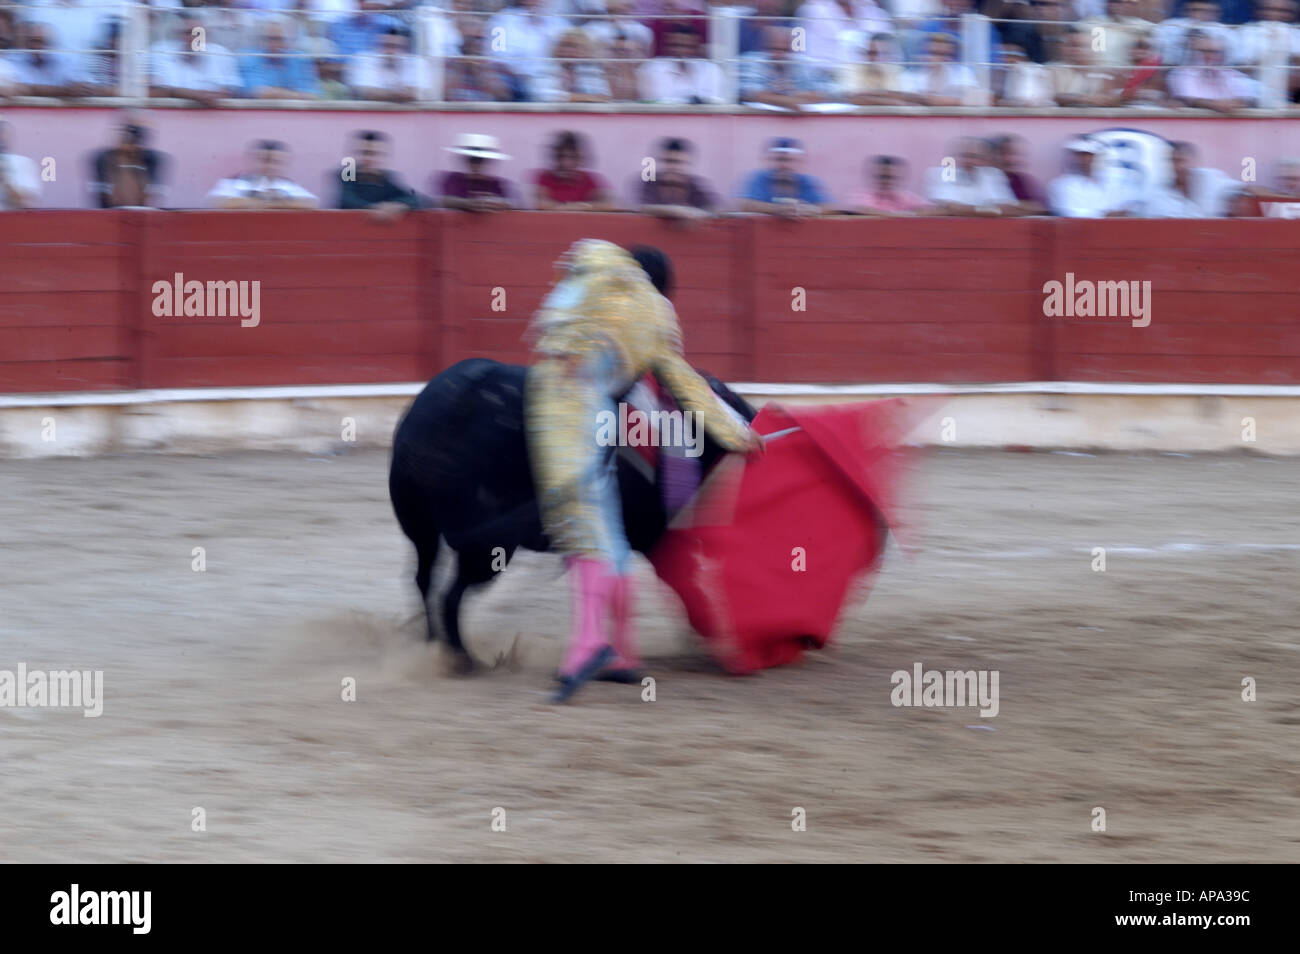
pixel 767 553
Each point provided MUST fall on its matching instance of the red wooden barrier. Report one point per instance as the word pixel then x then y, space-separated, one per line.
pixel 346 299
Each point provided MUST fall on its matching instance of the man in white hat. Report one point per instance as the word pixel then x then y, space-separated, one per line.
pixel 475 189
pixel 1078 194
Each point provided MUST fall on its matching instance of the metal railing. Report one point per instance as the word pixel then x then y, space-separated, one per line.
pixel 138 38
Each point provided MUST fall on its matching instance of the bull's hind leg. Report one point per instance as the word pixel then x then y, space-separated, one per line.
pixel 473 567
pixel 426 556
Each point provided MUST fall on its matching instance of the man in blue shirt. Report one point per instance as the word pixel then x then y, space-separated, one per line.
pixel 781 189
pixel 278 72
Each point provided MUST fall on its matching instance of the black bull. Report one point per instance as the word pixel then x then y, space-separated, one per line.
pixel 460 472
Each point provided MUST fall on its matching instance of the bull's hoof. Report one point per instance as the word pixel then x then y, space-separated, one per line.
pixel 459 663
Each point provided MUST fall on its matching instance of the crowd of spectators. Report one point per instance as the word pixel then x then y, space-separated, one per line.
pixel 979 177
pixel 781 54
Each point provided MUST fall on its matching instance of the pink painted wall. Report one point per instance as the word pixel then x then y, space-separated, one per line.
pixel 206 145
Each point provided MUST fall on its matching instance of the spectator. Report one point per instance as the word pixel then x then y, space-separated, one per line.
pixel 941 80
pixel 1077 194
pixel 949 24
pixel 760 15
pixel 276 71
pixel 527 35
pixel 878 79
pixel 1192 193
pixel 20 186
pixel 680 76
pixel 834 29
pixel 182 67
pixel 1018 81
pixel 470 77
pixel 476 189
pixel 1173 36
pixel 1037 27
pixel 1007 154
pixel 622 71
pixel 603 33
pixel 333 87
pixel 673 192
pixel 1078 81
pixel 1267 45
pixel 969 186
pixel 1143 83
pixel 883 196
pixel 393 74
pixel 690 13
pixel 1121 26
pixel 781 189
pixel 128 173
pixel 566 185
pixel 9 33
pixel 42 72
pixel 1206 83
pixel 1272 31
pixel 373 186
pixel 571 76
pixel 357 32
pixel 264 185
pixel 776 78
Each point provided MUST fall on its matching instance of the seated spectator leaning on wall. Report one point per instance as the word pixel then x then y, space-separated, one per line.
pixel 373 186
pixel 940 80
pixel 1017 81
pixel 1007 153
pixel 1143 82
pixel 968 185
pixel 183 66
pixel 883 195
pixel 673 192
pixel 1191 193
pixel 776 77
pixel 263 184
pixel 470 77
pixel 275 71
pixel 781 189
pixel 1206 83
pixel 680 77
pixel 1077 80
pixel 476 189
pixel 43 72
pixel 877 80
pixel 566 186
pixel 571 76
pixel 1078 194
pixel 20 186
pixel 128 173
pixel 392 74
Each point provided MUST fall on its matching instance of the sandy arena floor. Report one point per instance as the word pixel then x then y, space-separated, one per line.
pixel 1119 689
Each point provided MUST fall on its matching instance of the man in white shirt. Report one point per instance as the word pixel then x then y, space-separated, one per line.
pixel 941 80
pixel 265 186
pixel 1078 194
pixel 393 74
pixel 1206 83
pixel 680 76
pixel 836 29
pixel 1192 193
pixel 527 36
pixel 1120 26
pixel 969 186
pixel 188 66
pixel 46 72
pixel 20 186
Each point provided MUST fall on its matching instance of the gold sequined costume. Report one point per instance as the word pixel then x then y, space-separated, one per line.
pixel 601 328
